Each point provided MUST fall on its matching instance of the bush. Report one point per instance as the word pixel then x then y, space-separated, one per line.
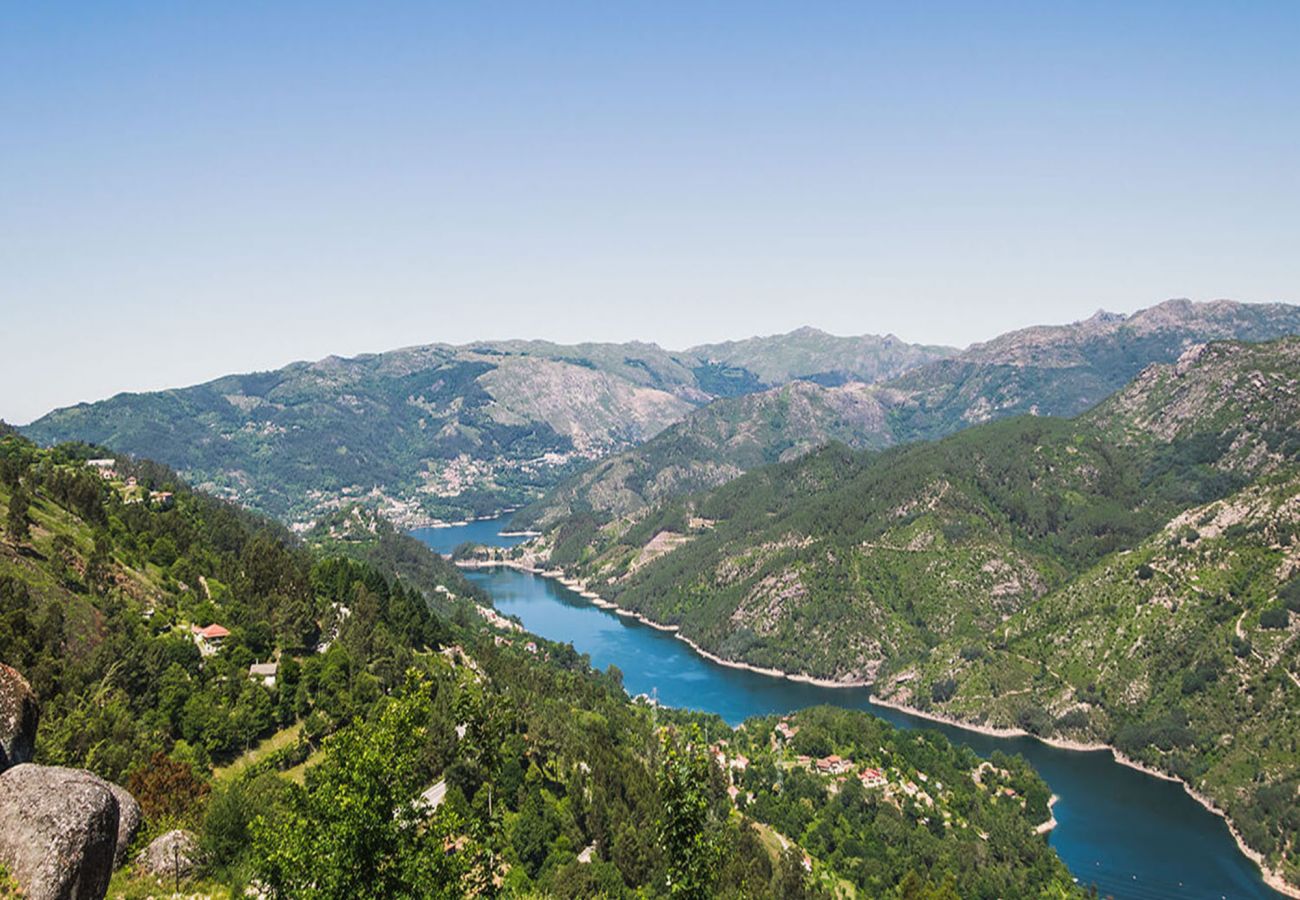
pixel 943 691
pixel 1035 720
pixel 1276 617
pixel 1144 572
pixel 1075 719
pixel 1289 594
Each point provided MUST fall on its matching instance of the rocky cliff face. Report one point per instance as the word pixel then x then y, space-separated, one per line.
pixel 18 716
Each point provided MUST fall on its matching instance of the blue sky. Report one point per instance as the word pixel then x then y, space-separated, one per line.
pixel 193 189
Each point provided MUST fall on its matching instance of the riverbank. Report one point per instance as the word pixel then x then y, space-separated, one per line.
pixel 1270 876
pixel 581 588
pixel 1051 823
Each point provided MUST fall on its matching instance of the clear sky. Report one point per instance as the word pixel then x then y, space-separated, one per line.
pixel 191 189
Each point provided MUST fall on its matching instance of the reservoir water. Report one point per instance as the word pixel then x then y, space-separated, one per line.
pixel 1132 835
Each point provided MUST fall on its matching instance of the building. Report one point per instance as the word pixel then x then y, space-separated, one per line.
pixel 872 778
pixel 264 672
pixel 833 765
pixel 209 639
pixel 106 467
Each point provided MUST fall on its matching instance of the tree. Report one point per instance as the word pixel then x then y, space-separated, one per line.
pixel 167 790
pixel 356 829
pixel 17 522
pixel 689 838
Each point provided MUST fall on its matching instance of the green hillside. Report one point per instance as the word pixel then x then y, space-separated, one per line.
pixel 552 782
pixel 438 431
pixel 1063 576
pixel 1058 371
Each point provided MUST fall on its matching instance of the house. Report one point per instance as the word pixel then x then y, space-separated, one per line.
pixel 872 778
pixel 105 467
pixel 264 672
pixel 739 763
pixel 209 639
pixel 786 730
pixel 163 499
pixel 833 765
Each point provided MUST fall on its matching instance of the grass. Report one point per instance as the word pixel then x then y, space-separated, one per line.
pixel 126 885
pixel 285 737
pixel 299 772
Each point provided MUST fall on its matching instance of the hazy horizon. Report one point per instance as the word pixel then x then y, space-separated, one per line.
pixel 488 339
pixel 198 190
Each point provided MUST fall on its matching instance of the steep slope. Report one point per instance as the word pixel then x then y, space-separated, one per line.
pixel 1048 370
pixel 1184 653
pixel 437 430
pixel 713 445
pixel 881 555
pixel 1129 577
pixel 540 772
pixel 1063 370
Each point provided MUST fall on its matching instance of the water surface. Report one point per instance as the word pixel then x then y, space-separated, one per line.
pixel 1132 835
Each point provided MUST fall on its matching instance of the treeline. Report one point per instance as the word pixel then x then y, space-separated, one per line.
pixel 99 593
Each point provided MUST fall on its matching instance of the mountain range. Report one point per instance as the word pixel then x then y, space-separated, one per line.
pixel 1049 370
pixel 1129 577
pixel 438 431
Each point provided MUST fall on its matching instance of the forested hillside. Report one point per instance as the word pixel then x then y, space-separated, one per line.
pixel 399 750
pixel 713 445
pixel 439 431
pixel 1050 370
pixel 1119 577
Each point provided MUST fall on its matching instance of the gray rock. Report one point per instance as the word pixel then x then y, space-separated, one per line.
pixel 18 714
pixel 58 830
pixel 128 822
pixel 174 853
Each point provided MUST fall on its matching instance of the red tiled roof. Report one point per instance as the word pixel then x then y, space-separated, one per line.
pixel 212 631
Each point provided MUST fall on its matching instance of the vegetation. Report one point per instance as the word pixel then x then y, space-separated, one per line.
pixel 440 431
pixel 1124 577
pixel 1045 371
pixel 547 779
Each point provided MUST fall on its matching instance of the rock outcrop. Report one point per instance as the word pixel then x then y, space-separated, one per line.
pixel 58 831
pixel 128 822
pixel 175 853
pixel 18 714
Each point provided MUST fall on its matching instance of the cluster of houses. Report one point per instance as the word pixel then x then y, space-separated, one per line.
pixel 107 469
pixel 836 766
pixel 211 638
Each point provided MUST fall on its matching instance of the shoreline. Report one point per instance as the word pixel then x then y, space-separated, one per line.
pixel 1270 876
pixel 580 588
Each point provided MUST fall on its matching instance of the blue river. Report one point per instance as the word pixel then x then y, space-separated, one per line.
pixel 1130 834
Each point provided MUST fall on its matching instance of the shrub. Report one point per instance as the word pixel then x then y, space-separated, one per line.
pixel 1073 720
pixel 1274 617
pixel 943 691
pixel 1035 720
pixel 1144 572
pixel 1289 594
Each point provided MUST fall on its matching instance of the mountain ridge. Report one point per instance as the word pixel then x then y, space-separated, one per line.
pixel 441 431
